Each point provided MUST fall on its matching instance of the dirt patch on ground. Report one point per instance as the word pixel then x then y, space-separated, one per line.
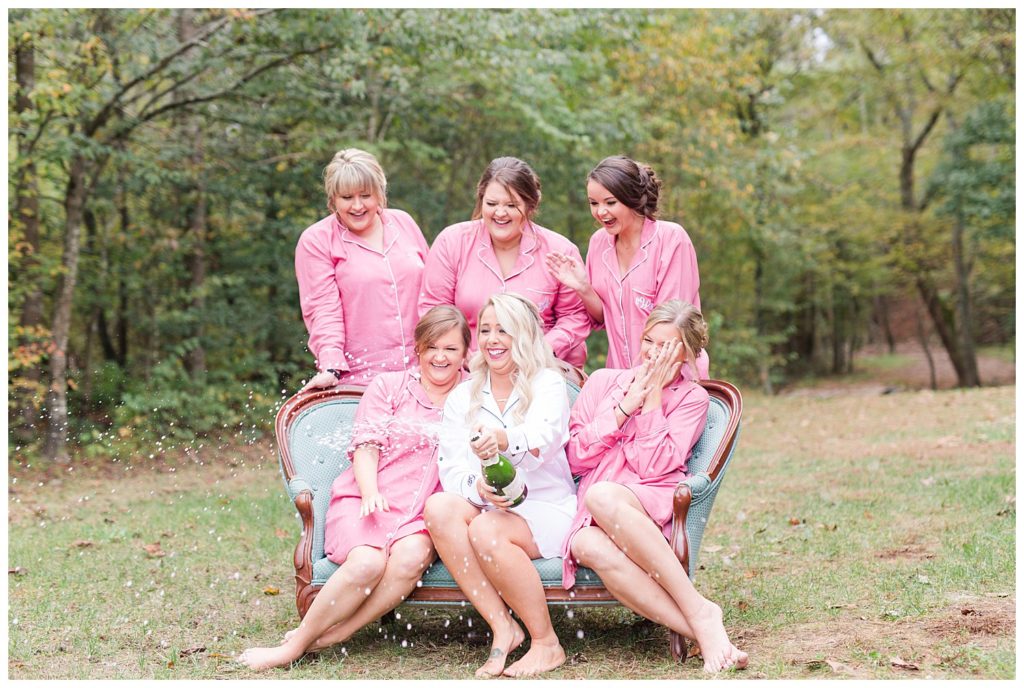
pixel 852 646
pixel 913 551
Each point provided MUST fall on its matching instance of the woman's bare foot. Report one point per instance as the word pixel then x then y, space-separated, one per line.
pixel 332 636
pixel 260 658
pixel 542 656
pixel 715 648
pixel 508 639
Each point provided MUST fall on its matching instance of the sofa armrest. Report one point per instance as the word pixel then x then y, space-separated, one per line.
pixel 297 486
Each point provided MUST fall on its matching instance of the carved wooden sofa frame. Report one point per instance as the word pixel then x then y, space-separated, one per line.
pixel 311 457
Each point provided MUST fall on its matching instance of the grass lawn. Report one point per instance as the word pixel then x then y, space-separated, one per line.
pixel 854 536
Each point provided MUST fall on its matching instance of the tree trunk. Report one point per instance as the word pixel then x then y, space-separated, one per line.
pixel 963 301
pixel 26 212
pixel 195 362
pixel 941 323
pixel 55 446
pixel 922 337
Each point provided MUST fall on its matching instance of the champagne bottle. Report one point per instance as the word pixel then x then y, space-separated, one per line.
pixel 503 477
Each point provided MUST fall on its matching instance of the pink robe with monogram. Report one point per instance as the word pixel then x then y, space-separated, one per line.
pixel 359 304
pixel 396 414
pixel 462 270
pixel 663 268
pixel 647 454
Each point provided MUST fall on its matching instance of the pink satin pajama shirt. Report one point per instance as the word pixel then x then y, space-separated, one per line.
pixel 648 454
pixel 664 267
pixel 359 304
pixel 463 270
pixel 395 414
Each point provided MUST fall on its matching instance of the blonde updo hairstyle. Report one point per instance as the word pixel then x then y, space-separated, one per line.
pixel 633 183
pixel 351 171
pixel 685 317
pixel 436 323
pixel 531 353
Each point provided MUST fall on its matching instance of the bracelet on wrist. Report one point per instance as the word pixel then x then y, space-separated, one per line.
pixel 622 410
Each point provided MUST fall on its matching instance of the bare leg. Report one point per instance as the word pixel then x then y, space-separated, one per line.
pixel 504 546
pixel 628 582
pixel 448 517
pixel 345 591
pixel 619 513
pixel 408 559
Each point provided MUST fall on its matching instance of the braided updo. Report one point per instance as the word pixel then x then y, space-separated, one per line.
pixel 633 183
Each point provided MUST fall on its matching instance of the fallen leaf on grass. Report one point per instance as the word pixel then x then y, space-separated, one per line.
pixel 82 544
pixel 751 573
pixel 848 605
pixel 997 594
pixel 218 655
pixel 281 533
pixel 712 548
pixel 900 664
pixel 794 521
pixel 153 550
pixel 18 570
pixel 693 651
pixel 191 651
pixel 271 590
pixel 968 612
pixel 742 605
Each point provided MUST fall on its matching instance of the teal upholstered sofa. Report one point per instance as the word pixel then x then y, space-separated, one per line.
pixel 313 430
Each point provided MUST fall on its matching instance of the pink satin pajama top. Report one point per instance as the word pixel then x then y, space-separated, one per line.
pixel 462 270
pixel 359 304
pixel 664 267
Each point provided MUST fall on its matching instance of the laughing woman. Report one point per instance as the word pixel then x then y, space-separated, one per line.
pixel 502 250
pixel 359 271
pixel 631 433
pixel 514 403
pixel 374 527
pixel 634 261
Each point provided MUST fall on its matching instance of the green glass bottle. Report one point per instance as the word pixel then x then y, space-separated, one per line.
pixel 504 478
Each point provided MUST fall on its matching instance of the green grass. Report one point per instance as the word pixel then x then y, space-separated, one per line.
pixel 835 546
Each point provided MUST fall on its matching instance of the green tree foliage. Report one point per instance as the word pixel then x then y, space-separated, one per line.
pixel 165 161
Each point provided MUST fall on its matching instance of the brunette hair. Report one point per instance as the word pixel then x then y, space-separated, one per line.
pixel 632 183
pixel 519 317
pixel 517 177
pixel 685 317
pixel 436 323
pixel 352 170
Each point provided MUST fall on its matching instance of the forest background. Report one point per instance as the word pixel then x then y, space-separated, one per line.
pixel 847 177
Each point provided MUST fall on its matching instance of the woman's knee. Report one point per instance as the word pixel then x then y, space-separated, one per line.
pixel 487 534
pixel 364 566
pixel 411 555
pixel 442 511
pixel 604 498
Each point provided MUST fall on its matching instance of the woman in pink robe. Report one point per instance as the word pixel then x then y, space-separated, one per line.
pixel 630 435
pixel 359 271
pixel 501 250
pixel 634 261
pixel 374 527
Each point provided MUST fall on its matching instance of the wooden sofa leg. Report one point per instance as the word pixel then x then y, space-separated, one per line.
pixel 678 646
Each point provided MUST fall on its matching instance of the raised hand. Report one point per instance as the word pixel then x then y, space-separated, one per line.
pixel 567 270
pixel 667 363
pixel 639 388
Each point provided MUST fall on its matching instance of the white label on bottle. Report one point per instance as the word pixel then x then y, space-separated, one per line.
pixel 514 489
